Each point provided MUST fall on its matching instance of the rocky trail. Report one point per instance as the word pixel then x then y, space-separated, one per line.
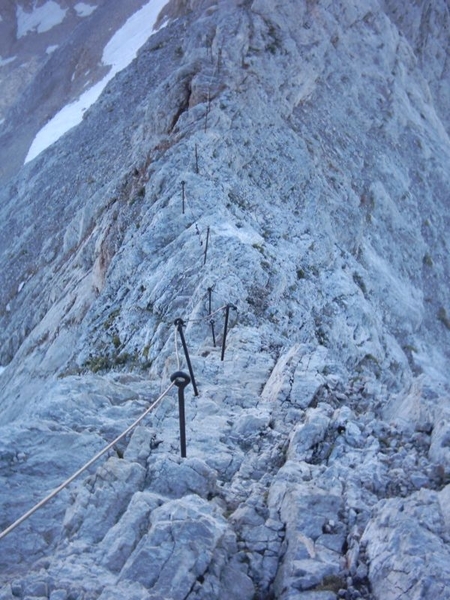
pixel 287 160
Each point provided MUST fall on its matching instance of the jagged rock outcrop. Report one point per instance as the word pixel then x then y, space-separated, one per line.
pixel 288 158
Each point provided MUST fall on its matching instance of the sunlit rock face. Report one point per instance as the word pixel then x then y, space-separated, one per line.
pixel 275 174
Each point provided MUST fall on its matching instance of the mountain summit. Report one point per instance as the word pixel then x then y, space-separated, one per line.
pixel 255 193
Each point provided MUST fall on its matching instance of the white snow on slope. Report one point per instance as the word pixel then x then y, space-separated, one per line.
pixel 40 19
pixel 6 61
pixel 118 53
pixel 84 10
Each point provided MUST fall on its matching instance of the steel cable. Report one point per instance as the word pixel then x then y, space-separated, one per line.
pixel 84 467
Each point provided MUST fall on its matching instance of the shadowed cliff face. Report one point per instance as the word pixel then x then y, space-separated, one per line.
pixel 425 25
pixel 288 158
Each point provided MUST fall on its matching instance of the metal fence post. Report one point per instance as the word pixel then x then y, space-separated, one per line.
pixel 181 380
pixel 211 322
pixel 179 325
pixel 227 313
pixel 183 183
pixel 206 245
pixel 210 289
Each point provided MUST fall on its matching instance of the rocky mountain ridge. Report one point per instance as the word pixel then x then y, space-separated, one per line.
pixel 307 142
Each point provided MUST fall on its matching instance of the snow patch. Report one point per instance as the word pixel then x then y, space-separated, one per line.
pixel 51 49
pixel 118 53
pixel 123 47
pixel 1 367
pixel 40 19
pixel 84 10
pixel 244 235
pixel 69 116
pixel 6 61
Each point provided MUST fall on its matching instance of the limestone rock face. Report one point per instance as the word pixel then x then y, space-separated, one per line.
pixel 274 174
pixel 395 566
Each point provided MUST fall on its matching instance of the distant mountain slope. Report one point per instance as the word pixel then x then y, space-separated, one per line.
pixel 51 52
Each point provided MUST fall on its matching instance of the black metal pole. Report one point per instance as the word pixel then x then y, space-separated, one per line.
pixel 196 159
pixel 227 312
pixel 181 380
pixel 183 183
pixel 209 299
pixel 212 331
pixel 179 325
pixel 206 245
pixel 211 322
pixel 225 329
